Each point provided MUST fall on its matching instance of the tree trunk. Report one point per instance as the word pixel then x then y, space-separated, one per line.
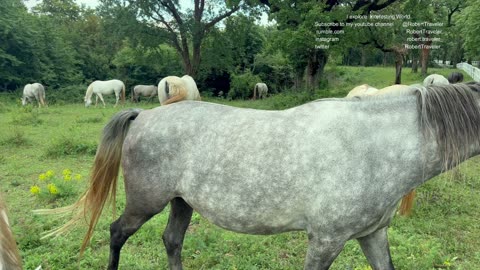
pixel 316 63
pixel 398 67
pixel 363 60
pixel 414 63
pixel 425 54
pixel 424 63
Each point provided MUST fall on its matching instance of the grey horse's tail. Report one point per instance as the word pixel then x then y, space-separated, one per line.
pixel 103 179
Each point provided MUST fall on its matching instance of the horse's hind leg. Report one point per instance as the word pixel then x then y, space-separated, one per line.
pixel 120 230
pixel 322 252
pixel 180 215
pixel 376 249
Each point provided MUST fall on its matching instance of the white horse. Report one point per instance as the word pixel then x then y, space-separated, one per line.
pixel 101 88
pixel 261 89
pixel 31 91
pixel 362 90
pixel 172 89
pixel 435 79
pixel 145 91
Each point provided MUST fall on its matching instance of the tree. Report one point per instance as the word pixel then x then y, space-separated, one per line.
pixel 188 29
pixel 469 27
pixel 297 23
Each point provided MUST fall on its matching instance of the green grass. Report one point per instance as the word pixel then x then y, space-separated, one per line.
pixel 443 231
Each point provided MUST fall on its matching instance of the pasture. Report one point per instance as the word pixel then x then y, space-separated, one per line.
pixel 57 145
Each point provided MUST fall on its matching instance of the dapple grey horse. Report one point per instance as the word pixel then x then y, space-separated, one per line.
pixel 322 167
pixel 31 91
pixel 149 91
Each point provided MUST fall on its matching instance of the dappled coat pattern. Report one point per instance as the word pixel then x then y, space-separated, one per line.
pixel 322 167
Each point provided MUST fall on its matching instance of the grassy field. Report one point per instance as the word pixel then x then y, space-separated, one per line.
pixel 56 145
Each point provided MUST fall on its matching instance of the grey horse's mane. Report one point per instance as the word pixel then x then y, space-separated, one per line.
pixel 451 114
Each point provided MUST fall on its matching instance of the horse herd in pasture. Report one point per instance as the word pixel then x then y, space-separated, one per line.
pixel 169 90
pixel 323 175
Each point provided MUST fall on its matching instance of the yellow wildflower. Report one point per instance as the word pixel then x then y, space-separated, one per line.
pixel 67 177
pixel 78 177
pixel 52 189
pixel 42 177
pixel 35 189
pixel 49 173
pixel 66 172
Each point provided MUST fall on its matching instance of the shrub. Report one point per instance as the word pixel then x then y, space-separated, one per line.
pixel 16 139
pixel 67 94
pixel 50 186
pixel 30 117
pixel 65 146
pixel 242 85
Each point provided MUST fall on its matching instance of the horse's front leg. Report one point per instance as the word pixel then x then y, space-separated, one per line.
pixel 376 249
pixel 101 98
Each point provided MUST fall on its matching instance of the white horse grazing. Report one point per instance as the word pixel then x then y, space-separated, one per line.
pixel 172 89
pixel 101 88
pixel 435 79
pixel 31 91
pixel 145 91
pixel 261 89
pixel 362 90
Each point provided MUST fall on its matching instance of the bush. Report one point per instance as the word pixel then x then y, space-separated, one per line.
pixel 242 85
pixel 29 117
pixel 16 139
pixel 65 146
pixel 66 95
pixel 50 186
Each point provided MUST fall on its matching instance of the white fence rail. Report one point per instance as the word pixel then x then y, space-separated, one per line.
pixel 470 70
